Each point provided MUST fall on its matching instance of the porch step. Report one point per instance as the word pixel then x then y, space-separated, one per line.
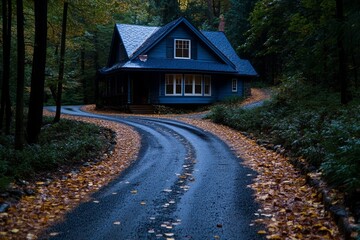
pixel 141 109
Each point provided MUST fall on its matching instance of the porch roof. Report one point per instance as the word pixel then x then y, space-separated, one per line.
pixel 171 65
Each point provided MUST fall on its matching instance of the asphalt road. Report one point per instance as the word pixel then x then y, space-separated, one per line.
pixel 185 184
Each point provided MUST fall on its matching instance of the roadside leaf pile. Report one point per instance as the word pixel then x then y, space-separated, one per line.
pixel 290 209
pixel 53 198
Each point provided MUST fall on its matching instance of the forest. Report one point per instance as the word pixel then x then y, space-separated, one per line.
pixel 308 49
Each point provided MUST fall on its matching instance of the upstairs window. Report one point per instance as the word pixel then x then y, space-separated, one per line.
pixel 182 48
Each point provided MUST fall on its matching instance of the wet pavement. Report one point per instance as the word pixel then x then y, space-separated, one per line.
pixel 185 184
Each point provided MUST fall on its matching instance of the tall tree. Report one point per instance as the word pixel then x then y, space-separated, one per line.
pixel 343 75
pixel 36 102
pixel 61 64
pixel 19 125
pixel 5 106
pixel 169 10
pixel 237 23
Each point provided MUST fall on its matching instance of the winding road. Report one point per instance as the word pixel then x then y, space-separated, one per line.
pixel 185 184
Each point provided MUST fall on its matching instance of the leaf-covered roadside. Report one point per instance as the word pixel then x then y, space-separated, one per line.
pixel 64 143
pixel 290 209
pixel 52 199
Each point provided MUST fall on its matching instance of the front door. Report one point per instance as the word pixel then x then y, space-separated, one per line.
pixel 141 91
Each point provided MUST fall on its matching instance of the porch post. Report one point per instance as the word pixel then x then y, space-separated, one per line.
pixel 129 89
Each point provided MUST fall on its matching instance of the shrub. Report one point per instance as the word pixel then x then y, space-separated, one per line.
pixel 309 121
pixel 218 114
pixel 66 142
pixel 341 165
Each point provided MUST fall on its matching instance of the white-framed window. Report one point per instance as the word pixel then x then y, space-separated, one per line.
pixel 207 85
pixel 193 84
pixel 187 85
pixel 182 48
pixel 173 84
pixel 234 84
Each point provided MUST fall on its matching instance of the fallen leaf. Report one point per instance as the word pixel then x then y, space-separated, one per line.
pixel 274 237
pixel 15 230
pixel 30 236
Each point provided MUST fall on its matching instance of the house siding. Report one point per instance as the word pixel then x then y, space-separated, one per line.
pixel 224 88
pixel 199 52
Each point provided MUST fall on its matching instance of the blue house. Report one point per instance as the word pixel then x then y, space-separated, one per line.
pixel 173 64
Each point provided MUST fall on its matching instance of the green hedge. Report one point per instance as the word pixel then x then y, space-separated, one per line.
pixel 311 123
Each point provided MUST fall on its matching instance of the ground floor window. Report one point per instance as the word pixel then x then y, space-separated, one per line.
pixel 207 85
pixel 173 84
pixel 234 85
pixel 193 84
pixel 188 84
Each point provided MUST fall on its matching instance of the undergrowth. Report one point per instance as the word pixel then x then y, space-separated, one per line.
pixel 310 122
pixel 67 142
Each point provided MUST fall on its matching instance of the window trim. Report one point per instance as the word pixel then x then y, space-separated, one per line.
pixel 174 84
pixel 184 40
pixel 209 77
pixel 234 85
pixel 193 85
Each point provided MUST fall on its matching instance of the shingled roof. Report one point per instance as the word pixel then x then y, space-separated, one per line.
pixel 138 40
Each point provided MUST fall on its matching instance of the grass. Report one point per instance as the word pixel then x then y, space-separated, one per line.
pixel 64 143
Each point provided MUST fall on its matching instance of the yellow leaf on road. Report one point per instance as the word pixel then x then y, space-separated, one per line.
pixel 15 230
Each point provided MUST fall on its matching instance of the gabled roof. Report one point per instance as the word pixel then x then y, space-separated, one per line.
pixel 133 36
pixel 219 39
pixel 164 31
pixel 139 40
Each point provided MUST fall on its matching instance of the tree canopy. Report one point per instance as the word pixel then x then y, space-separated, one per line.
pixel 315 39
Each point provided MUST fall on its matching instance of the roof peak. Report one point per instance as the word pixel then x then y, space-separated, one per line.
pixel 152 35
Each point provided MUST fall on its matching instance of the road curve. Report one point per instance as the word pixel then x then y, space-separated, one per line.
pixel 185 184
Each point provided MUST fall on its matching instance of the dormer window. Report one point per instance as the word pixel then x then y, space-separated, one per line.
pixel 182 48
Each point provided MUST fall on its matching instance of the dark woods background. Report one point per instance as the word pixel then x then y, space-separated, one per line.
pixel 312 41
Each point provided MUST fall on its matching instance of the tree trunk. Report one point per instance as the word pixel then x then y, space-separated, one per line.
pixel 210 10
pixel 343 76
pixel 19 125
pixel 5 106
pixel 36 102
pixel 356 78
pixel 61 66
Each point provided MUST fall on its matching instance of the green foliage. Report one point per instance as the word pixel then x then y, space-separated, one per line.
pixel 302 36
pixel 67 142
pixel 310 122
pixel 236 28
pixel 342 164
